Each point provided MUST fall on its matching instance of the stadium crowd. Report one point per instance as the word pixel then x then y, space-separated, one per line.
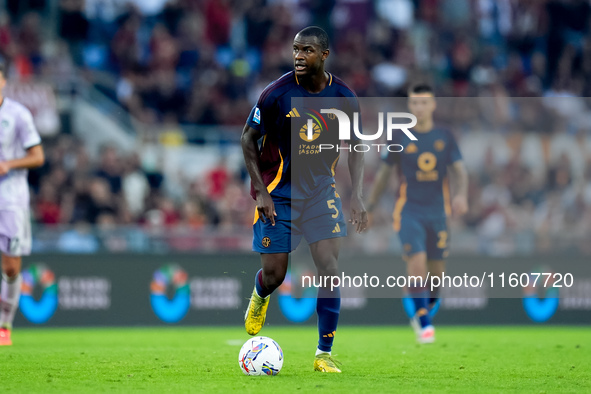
pixel 206 61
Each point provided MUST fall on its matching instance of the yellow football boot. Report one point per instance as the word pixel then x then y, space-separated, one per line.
pixel 324 362
pixel 254 319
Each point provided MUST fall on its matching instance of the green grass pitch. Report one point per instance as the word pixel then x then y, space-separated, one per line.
pixel 375 359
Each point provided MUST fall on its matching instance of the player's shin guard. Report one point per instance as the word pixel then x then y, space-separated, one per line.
pixel 10 293
pixel 420 297
pixel 328 306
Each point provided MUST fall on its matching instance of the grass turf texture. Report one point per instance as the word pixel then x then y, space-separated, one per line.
pixel 473 359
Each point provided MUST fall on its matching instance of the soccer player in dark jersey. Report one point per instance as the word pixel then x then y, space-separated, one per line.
pixel 423 204
pixel 294 187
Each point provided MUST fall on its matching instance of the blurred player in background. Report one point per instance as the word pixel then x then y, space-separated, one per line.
pixel 20 149
pixel 423 204
pixel 295 189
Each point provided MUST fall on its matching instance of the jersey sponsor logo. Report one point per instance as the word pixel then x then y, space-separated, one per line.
pixel 313 127
pixel 427 162
pixel 257 115
pixel 266 242
pixel 411 148
pixel 4 124
pixel 175 309
pixel 439 145
pixel 310 131
pixel 337 229
pixel 40 311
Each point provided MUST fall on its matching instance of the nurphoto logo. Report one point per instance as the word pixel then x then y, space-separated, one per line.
pixel 345 130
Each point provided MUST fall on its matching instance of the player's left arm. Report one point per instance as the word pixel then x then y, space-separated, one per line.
pixel 356 162
pixel 458 177
pixel 358 212
pixel 34 158
pixel 459 182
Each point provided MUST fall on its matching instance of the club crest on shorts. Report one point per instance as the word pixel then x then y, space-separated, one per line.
pixel 266 242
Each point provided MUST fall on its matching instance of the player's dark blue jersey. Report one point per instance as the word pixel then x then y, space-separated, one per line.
pixel 422 166
pixel 292 164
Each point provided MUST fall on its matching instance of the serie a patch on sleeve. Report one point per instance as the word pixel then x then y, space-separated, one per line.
pixel 257 115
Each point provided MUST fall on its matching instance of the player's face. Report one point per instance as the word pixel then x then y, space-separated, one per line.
pixel 307 55
pixel 421 105
pixel 2 81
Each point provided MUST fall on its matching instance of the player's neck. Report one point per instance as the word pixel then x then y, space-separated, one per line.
pixel 315 83
pixel 424 126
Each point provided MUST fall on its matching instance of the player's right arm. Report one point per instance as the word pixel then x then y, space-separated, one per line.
pixel 34 158
pixel 28 137
pixel 379 185
pixel 389 162
pixel 250 149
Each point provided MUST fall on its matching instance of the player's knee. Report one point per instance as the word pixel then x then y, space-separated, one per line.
pixel 11 266
pixel 416 258
pixel 273 279
pixel 11 270
pixel 328 267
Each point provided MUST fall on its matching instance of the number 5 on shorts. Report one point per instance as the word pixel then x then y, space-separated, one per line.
pixel 331 205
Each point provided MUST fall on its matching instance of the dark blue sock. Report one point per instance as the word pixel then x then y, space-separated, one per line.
pixel 328 306
pixel 434 297
pixel 258 282
pixel 420 297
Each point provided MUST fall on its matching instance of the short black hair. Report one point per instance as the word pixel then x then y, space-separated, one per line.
pixel 420 88
pixel 319 33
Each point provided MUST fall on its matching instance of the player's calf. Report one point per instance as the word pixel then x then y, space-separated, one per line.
pixel 9 298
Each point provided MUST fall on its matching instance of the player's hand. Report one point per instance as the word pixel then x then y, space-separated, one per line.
pixel 459 205
pixel 358 215
pixel 4 168
pixel 266 207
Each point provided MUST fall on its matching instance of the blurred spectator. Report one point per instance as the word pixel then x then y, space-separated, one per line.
pixel 218 15
pixel 192 215
pixel 6 43
pixel 135 186
pixel 28 57
pixel 217 180
pixel 73 27
pixel 78 240
pixel 47 208
pixel 110 168
pixel 100 200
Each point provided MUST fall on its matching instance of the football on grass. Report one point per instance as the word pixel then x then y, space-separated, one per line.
pixel 260 356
